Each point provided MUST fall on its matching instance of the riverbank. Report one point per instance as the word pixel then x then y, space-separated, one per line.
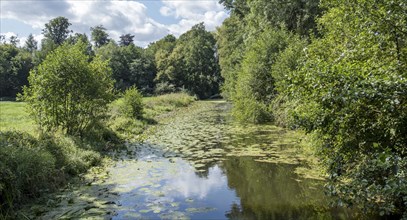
pixel 35 164
pixel 198 163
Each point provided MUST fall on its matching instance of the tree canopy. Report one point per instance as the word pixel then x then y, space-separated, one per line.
pixel 57 30
pixel 67 91
pixel 99 36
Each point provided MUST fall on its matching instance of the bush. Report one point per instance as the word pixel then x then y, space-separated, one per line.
pixel 164 88
pixel 30 166
pixel 25 168
pixel 352 93
pixel 132 105
pixel 68 92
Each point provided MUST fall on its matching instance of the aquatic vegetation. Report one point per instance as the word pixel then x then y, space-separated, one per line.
pixel 200 164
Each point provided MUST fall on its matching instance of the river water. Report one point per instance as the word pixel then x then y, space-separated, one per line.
pixel 200 164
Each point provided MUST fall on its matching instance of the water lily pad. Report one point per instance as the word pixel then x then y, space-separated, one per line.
pixel 198 210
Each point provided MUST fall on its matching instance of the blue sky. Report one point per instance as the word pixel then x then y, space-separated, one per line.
pixel 147 20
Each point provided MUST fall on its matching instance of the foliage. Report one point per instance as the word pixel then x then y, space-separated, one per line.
pixel 347 87
pixel 68 92
pixel 167 43
pixel 164 88
pixel 126 39
pixel 31 44
pixel 56 30
pixel 230 40
pixel 352 92
pixel 132 103
pixel 130 65
pixel 153 108
pixel 99 36
pixel 255 84
pixel 74 39
pixel 192 64
pixel 250 43
pixel 32 166
pixel 25 168
pixel 15 65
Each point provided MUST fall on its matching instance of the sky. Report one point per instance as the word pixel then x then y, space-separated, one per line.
pixel 148 20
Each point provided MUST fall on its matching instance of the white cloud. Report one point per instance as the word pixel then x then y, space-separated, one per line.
pixel 22 39
pixel 118 17
pixel 166 11
pixel 188 184
pixel 193 12
pixel 35 13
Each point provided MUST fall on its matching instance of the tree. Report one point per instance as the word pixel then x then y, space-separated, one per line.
pixel 67 91
pixel 57 30
pixel 15 65
pixel 126 39
pixel 193 63
pixel 83 38
pixel 132 105
pixel 30 44
pixel 14 40
pixel 130 65
pixel 99 36
pixel 2 39
pixel 230 41
pixel 167 43
pixel 352 97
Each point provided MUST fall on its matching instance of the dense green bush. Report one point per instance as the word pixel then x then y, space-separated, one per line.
pixel 25 168
pixel 164 88
pixel 30 166
pixel 67 91
pixel 132 105
pixel 352 93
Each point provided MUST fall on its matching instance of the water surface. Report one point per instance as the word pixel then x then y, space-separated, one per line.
pixel 202 165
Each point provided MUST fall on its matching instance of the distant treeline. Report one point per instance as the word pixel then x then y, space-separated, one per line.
pixel 189 63
pixel 338 70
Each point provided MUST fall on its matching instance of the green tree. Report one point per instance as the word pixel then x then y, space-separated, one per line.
pixel 255 84
pixel 31 45
pixel 352 93
pixel 14 40
pixel 160 52
pixel 132 103
pixel 193 63
pixel 57 30
pixel 68 92
pixel 126 39
pixel 167 43
pixel 83 38
pixel 230 41
pixel 15 65
pixel 99 36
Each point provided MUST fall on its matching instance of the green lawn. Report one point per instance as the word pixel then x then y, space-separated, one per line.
pixel 13 116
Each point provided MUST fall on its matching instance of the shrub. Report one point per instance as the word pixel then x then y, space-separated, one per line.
pixel 164 88
pixel 68 92
pixel 25 168
pixel 132 105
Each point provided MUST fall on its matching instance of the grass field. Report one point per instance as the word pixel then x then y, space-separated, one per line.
pixel 14 117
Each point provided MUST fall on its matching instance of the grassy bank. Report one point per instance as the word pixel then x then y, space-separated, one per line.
pixel 32 163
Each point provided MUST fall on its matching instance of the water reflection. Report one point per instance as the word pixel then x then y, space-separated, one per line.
pixel 202 166
pixel 188 184
pixel 274 191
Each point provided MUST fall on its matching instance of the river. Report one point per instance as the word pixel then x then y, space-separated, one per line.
pixel 200 164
